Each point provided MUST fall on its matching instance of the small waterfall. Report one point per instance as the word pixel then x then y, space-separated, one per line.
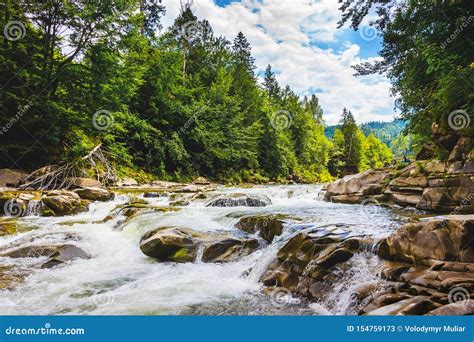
pixel 34 208
pixel 356 286
pixel 200 253
pixel 263 262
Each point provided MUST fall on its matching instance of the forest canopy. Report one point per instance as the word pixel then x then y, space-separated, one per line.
pixel 172 104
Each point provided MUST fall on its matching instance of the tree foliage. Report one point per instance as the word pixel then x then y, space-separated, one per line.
pixel 173 104
pixel 427 52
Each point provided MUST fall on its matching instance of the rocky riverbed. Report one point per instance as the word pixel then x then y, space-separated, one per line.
pixel 169 248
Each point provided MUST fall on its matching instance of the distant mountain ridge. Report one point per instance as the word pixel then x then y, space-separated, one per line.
pixel 387 132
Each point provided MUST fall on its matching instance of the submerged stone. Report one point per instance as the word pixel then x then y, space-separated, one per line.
pixel 240 200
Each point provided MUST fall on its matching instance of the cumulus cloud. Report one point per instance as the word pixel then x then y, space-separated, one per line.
pixel 290 35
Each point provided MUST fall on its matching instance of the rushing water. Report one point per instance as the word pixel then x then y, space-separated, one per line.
pixel 119 279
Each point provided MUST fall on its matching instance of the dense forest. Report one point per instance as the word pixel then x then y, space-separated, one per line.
pixel 183 102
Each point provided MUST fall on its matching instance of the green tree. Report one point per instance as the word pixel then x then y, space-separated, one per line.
pixel 427 54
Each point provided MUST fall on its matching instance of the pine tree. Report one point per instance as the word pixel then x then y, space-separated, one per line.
pixel 271 85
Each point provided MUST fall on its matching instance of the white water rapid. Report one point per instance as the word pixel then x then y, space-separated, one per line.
pixel 120 279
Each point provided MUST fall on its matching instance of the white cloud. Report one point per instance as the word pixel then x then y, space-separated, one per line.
pixel 285 34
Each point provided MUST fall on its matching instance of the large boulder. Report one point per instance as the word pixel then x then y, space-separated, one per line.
pixel 65 254
pixel 461 168
pixel 268 226
pixel 57 254
pixel 11 177
pixel 94 194
pixel 305 264
pixel 448 199
pixel 353 188
pixel 461 151
pixel 238 200
pixel 229 249
pixel 181 244
pixel 175 244
pixel 449 239
pixel 64 202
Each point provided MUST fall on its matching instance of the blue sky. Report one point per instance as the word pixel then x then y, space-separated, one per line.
pixel 300 39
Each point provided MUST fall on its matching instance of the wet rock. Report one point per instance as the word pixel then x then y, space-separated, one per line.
pixel 199 195
pixel 237 200
pixel 465 307
pixel 64 202
pixel 229 250
pixel 449 240
pixel 268 226
pixel 353 188
pixel 57 254
pixel 172 244
pixel 11 177
pixel 94 194
pixel 64 254
pixel 384 300
pixel 9 277
pixel 333 258
pixel 154 194
pixel 306 264
pixel 180 244
pixel 412 306
pixel 179 203
pixel 393 270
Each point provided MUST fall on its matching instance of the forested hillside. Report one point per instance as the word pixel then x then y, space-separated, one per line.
pixel 390 133
pixel 172 104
